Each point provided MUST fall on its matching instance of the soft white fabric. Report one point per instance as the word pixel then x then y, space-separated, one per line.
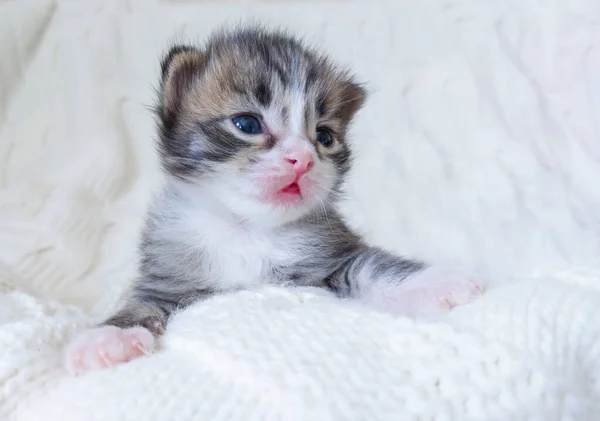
pixel 480 145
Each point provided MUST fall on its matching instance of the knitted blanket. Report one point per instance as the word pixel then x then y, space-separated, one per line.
pixel 479 146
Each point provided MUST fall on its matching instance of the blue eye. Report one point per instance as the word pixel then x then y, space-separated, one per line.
pixel 248 124
pixel 324 138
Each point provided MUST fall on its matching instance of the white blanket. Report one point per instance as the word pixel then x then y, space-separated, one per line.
pixel 480 145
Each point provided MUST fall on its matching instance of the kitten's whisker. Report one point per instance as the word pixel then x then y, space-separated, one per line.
pixel 327 218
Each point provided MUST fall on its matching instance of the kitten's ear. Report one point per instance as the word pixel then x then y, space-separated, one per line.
pixel 353 97
pixel 181 68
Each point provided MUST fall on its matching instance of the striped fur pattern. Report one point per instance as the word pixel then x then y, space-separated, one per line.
pixel 205 235
pixel 252 138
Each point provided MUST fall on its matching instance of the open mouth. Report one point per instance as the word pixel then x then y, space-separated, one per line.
pixel 293 188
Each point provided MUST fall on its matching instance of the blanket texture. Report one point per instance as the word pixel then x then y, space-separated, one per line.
pixel 479 146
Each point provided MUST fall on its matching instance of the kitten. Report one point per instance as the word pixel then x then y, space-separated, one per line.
pixel 252 136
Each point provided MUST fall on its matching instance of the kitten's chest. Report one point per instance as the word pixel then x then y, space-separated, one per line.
pixel 238 256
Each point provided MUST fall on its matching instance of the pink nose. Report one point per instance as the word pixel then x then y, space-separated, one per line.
pixel 301 160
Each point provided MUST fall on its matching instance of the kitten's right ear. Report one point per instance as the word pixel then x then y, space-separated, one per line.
pixel 181 68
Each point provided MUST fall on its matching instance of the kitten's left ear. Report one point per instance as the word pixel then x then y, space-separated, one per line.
pixel 181 69
pixel 352 99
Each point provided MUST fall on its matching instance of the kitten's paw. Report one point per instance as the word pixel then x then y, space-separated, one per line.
pixel 106 346
pixel 430 291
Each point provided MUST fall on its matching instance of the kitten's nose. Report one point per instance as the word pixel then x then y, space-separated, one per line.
pixel 302 160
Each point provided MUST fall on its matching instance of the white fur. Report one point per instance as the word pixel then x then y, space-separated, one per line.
pixel 297 104
pixel 240 252
pixel 236 252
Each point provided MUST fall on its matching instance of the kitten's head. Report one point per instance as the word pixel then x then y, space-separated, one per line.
pixel 259 120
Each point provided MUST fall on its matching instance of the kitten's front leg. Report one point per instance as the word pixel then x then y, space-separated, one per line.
pixel 131 332
pixel 403 286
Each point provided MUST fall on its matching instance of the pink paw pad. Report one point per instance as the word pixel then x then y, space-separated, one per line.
pixel 433 290
pixel 106 346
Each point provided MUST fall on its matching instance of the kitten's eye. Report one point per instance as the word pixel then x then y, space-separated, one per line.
pixel 248 124
pixel 324 137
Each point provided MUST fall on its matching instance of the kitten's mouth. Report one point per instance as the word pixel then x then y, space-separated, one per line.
pixel 292 189
pixel 290 195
